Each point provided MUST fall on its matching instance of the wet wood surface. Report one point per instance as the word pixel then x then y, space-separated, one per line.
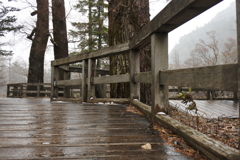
pixel 40 129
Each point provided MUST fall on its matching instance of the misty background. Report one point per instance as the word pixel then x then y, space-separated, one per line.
pixel 221 19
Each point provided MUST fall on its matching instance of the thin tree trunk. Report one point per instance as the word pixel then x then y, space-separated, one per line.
pixel 39 44
pixel 90 24
pixel 126 18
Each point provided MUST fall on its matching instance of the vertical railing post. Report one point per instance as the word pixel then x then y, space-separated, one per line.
pixel 91 75
pixel 84 80
pixel 67 88
pixel 52 83
pixel 134 61
pixel 159 61
pixel 209 95
pixel 238 44
pixel 21 90
pixel 54 78
pixel 8 90
pixel 15 91
pixel 38 90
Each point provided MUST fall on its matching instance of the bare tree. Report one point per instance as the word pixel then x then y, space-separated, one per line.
pixel 2 74
pixel 208 53
pixel 20 67
pixel 229 55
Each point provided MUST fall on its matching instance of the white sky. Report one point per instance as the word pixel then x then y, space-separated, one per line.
pixel 21 46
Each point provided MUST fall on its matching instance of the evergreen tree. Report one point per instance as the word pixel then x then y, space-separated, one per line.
pixel 91 35
pixel 7 25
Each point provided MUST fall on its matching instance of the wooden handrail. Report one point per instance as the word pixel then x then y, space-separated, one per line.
pixel 155 34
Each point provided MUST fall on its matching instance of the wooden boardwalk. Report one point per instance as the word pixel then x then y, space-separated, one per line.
pixel 213 109
pixel 39 129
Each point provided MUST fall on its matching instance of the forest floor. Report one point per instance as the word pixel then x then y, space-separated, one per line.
pixel 225 130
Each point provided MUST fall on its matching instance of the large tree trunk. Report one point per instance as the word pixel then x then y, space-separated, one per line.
pixel 126 18
pixel 60 37
pixel 36 59
pixel 59 29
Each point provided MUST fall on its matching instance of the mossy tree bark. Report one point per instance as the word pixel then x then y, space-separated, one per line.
pixel 126 18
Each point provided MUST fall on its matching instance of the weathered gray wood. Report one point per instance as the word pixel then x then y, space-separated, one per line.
pixel 91 75
pixel 75 100
pixel 101 90
pixel 38 91
pixel 20 90
pixel 72 82
pixel 201 142
pixel 112 79
pixel 221 77
pixel 66 88
pixel 55 78
pixel 172 16
pixel 113 50
pixel 29 84
pixel 52 83
pixel 159 61
pixel 238 45
pixel 109 100
pixel 79 70
pixel 134 58
pixel 8 90
pixel 84 81
pixel 64 67
pixel 143 77
pixel 208 95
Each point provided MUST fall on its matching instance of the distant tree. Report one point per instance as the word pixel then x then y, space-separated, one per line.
pixel 207 53
pixel 7 24
pixel 20 67
pixel 193 61
pixel 176 61
pixel 39 43
pixel 2 74
pixel 230 55
pixel 126 18
pixel 91 35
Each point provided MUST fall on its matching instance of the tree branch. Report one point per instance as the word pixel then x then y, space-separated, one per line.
pixel 31 35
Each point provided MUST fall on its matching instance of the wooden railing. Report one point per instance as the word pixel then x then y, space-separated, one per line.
pixel 20 89
pixel 176 13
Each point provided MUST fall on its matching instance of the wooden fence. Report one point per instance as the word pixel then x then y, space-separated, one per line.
pixel 176 13
pixel 20 89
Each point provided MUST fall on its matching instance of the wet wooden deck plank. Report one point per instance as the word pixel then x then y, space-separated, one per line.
pixel 38 129
pixel 213 109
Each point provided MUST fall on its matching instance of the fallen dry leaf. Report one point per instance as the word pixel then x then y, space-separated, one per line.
pixel 147 146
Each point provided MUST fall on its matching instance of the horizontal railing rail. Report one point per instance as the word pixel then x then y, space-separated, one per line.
pixel 20 89
pixel 215 78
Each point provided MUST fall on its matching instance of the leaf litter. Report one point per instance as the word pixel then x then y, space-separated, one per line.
pixel 221 129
